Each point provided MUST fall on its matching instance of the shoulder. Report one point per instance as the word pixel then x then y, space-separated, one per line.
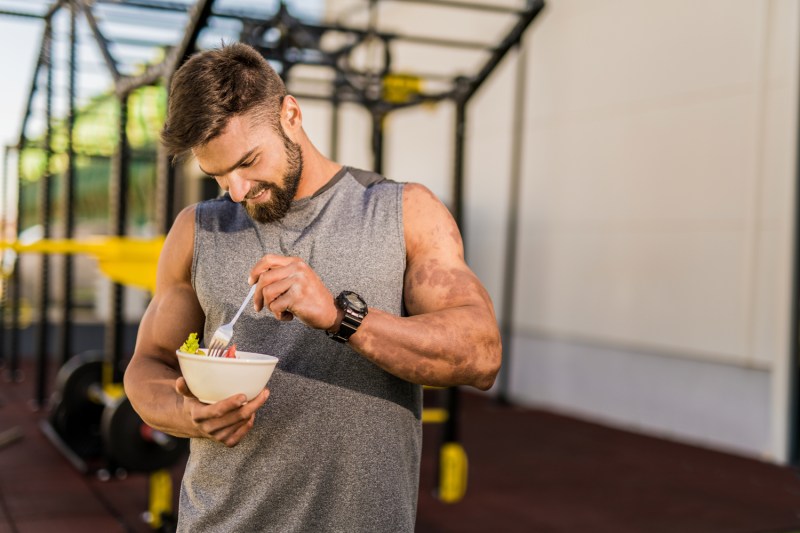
pixel 184 223
pixel 366 178
pixel 426 220
pixel 220 215
pixel 176 256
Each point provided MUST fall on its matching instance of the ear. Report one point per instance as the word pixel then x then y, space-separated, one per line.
pixel 291 116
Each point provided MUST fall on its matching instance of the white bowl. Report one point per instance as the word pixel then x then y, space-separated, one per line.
pixel 212 379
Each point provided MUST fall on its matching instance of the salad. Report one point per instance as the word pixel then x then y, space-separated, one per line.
pixel 192 345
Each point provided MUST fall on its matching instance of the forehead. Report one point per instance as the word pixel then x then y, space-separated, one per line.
pixel 240 135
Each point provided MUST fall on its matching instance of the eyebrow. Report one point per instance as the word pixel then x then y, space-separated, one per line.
pixel 236 165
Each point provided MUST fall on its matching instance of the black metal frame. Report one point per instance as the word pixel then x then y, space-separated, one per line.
pixel 295 46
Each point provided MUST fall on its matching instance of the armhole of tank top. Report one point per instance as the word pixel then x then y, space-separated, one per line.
pixel 195 247
pixel 401 230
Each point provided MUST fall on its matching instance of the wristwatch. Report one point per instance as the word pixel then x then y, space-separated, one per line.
pixel 355 309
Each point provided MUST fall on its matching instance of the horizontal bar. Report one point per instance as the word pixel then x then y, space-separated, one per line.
pixel 5 12
pixel 163 6
pixel 463 5
pixel 444 42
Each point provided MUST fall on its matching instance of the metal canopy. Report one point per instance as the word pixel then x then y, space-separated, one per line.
pixel 357 55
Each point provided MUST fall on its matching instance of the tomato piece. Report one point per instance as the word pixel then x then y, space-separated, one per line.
pixel 231 352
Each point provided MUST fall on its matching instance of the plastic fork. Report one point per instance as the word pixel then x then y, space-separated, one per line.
pixel 221 337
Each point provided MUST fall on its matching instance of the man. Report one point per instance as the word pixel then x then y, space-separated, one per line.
pixel 362 293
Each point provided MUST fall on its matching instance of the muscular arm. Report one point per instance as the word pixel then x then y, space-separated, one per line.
pixel 153 382
pixel 451 336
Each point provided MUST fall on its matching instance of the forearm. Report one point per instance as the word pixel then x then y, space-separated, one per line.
pixel 455 346
pixel 150 386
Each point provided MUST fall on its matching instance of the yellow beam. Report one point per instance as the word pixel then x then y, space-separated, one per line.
pixel 126 260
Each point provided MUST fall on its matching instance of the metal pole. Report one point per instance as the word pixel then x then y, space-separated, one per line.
pixel 793 415
pixel 44 217
pixel 512 227
pixel 165 190
pixel 69 196
pixel 4 237
pixel 335 116
pixel 119 214
pixel 165 170
pixel 16 279
pixel 451 426
pixel 513 38
pixel 16 276
pixel 378 117
pixel 457 201
pixel 101 41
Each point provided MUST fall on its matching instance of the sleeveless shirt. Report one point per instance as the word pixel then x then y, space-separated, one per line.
pixel 336 447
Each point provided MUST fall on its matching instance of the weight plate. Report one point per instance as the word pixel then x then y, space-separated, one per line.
pixel 125 442
pixel 73 415
pixel 75 378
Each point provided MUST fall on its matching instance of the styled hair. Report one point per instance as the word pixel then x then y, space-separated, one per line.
pixel 215 85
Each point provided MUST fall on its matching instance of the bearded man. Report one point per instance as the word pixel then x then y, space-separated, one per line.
pixel 362 292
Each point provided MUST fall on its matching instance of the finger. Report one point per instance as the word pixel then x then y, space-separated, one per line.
pixel 224 434
pixel 234 434
pixel 237 435
pixel 268 293
pixel 230 412
pixel 223 425
pixel 280 305
pixel 248 410
pixel 256 403
pixel 219 410
pixel 266 263
pixel 267 279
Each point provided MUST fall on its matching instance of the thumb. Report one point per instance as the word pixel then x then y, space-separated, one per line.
pixel 182 388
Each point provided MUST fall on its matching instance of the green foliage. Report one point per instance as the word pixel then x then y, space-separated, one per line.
pixel 95 141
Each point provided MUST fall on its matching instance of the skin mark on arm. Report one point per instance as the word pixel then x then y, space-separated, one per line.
pixel 450 335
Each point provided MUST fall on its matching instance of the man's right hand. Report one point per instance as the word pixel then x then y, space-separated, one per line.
pixel 226 421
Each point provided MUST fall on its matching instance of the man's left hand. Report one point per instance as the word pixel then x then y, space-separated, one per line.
pixel 289 288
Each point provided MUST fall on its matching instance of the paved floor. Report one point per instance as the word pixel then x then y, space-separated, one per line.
pixel 530 471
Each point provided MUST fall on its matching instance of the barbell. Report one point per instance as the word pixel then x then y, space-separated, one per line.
pixel 97 422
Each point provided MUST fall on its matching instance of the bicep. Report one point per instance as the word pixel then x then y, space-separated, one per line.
pixel 437 276
pixel 174 311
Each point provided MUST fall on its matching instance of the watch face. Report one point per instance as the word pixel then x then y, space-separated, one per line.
pixel 355 301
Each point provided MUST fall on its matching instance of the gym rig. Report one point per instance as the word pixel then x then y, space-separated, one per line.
pixel 90 420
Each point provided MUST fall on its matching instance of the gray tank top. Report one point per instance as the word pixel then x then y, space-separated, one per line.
pixel 336 447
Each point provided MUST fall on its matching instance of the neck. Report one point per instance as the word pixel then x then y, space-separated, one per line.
pixel 317 170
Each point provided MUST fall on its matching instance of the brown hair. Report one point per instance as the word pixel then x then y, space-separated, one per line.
pixel 214 85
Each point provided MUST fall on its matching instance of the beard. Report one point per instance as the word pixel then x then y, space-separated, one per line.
pixel 281 196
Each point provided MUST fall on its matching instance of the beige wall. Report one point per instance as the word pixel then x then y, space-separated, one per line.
pixel 658 178
pixel 660 174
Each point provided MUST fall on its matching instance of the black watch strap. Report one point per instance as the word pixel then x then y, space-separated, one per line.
pixel 355 309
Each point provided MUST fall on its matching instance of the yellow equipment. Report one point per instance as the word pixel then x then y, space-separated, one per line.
pixel 126 260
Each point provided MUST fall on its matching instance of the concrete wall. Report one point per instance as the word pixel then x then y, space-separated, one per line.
pixel 653 278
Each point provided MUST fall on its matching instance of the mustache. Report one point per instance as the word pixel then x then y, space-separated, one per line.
pixel 258 189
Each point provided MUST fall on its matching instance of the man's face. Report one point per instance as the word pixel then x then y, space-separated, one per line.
pixel 259 167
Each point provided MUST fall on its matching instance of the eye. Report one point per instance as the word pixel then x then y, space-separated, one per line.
pixel 247 163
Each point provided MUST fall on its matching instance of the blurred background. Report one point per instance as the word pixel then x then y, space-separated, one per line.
pixel 624 175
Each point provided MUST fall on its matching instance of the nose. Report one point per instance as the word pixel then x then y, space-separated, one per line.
pixel 238 187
